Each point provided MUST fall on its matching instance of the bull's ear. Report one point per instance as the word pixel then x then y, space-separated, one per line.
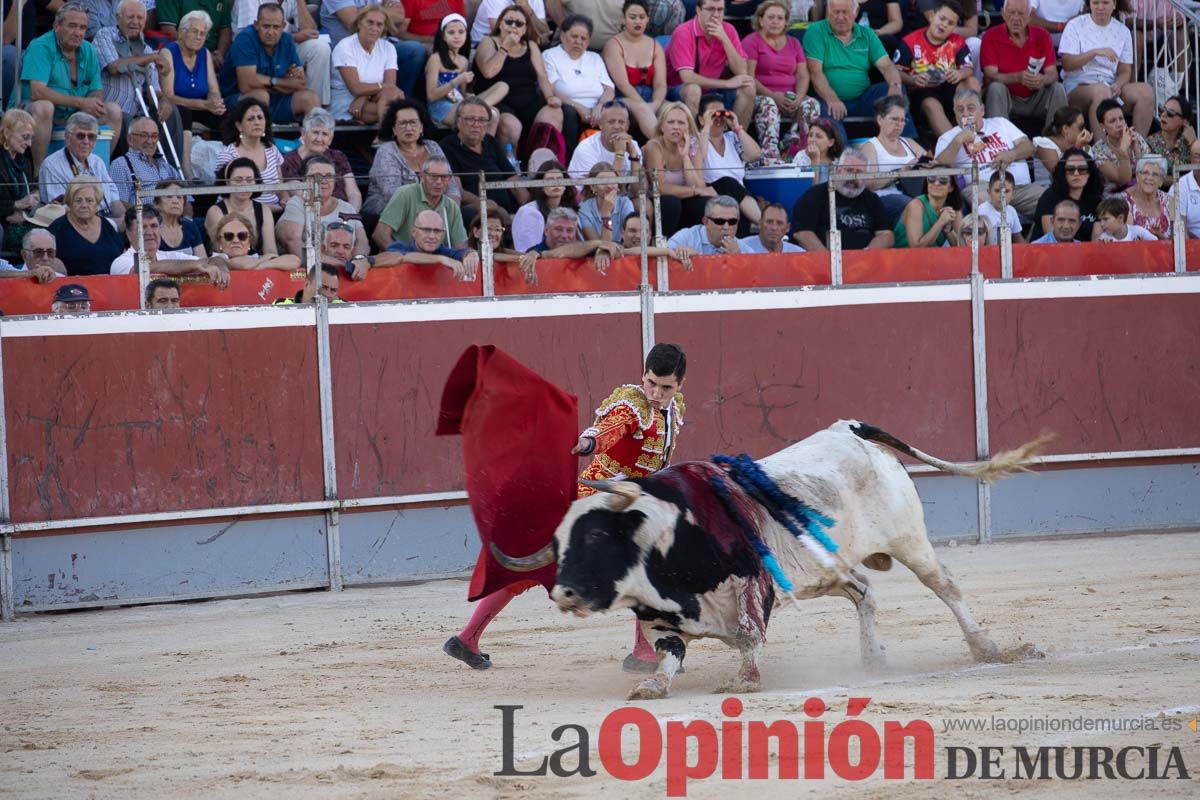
pixel 627 492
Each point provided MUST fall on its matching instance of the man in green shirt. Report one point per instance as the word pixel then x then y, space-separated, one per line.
pixel 220 35
pixel 60 75
pixel 396 221
pixel 840 55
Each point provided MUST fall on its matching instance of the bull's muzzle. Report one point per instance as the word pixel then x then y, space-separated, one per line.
pixel 567 600
pixel 542 558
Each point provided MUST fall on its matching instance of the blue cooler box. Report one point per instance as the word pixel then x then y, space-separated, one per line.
pixel 784 185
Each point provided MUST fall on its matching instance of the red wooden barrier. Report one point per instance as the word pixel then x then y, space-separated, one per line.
pixel 759 380
pixel 406 282
pixel 387 383
pixel 1112 374
pixel 130 423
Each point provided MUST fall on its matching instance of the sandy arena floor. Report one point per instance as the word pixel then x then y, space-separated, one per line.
pixel 349 695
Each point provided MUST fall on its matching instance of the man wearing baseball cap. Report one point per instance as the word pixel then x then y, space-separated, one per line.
pixel 71 298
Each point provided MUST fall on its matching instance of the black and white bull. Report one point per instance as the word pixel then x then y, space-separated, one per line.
pixel 667 547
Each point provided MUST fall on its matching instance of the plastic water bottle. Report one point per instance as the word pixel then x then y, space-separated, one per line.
pixel 864 20
pixel 512 158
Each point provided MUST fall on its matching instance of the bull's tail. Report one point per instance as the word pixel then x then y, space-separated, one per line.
pixel 998 466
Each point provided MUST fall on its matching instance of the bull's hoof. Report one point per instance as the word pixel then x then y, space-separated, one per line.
pixel 984 650
pixel 875 662
pixel 740 686
pixel 650 689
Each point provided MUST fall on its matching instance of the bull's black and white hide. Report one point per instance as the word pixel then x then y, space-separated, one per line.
pixel 667 547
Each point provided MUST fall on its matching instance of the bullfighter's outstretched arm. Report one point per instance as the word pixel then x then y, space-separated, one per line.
pixel 607 431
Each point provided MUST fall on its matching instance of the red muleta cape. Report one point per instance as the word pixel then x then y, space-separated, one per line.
pixel 517 431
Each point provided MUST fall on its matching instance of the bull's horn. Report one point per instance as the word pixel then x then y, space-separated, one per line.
pixel 541 558
pixel 627 491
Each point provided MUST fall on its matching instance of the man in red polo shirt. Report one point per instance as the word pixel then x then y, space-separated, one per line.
pixel 1019 68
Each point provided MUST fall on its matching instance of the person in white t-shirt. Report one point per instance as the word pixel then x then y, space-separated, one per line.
pixel 613 144
pixel 364 70
pixel 1053 15
pixel 580 77
pixel 1186 192
pixel 994 143
pixel 1112 215
pixel 1097 60
pixel 990 211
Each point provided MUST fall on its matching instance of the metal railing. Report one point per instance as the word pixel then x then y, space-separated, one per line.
pixel 1166 48
pixel 310 189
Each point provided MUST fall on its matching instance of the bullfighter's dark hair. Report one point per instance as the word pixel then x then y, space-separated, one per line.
pixel 667 359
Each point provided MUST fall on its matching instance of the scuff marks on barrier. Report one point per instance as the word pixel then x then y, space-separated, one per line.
pixel 220 532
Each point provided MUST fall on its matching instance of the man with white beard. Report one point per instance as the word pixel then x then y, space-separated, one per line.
pixel 860 214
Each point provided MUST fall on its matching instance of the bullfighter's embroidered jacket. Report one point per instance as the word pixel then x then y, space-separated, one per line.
pixel 633 439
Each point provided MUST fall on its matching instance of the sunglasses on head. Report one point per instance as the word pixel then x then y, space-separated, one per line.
pixel 236 236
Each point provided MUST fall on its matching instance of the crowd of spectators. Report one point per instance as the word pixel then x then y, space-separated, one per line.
pixel 1049 105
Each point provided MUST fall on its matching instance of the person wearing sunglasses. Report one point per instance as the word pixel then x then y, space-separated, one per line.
pixel 1078 179
pixel 231 245
pixel 76 159
pixel 1176 135
pixel 932 219
pixel 40 255
pixel 717 233
pixel 511 56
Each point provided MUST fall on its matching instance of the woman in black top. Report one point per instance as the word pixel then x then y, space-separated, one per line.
pixel 511 55
pixel 18 184
pixel 1076 177
pixel 87 244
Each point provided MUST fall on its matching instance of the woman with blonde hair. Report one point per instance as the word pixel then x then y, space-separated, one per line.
pixel 86 244
pixel 235 232
pixel 364 69
pixel 673 163
pixel 18 183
